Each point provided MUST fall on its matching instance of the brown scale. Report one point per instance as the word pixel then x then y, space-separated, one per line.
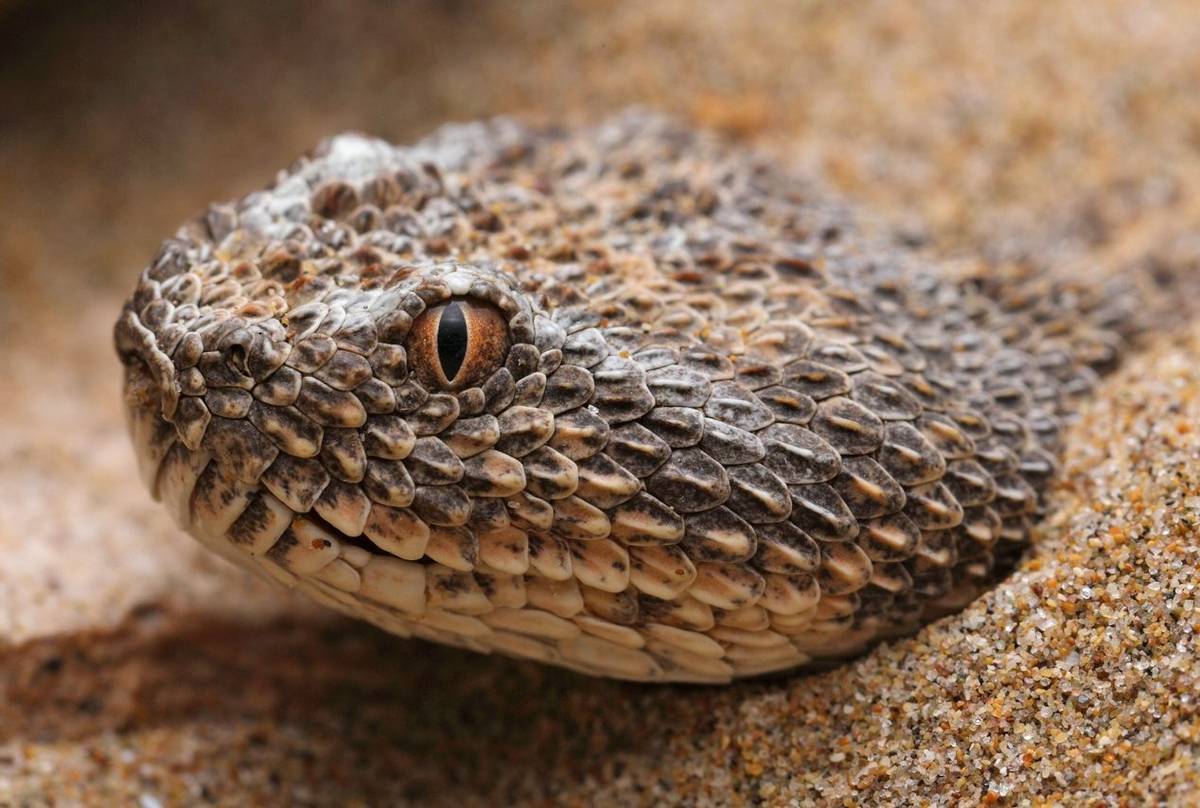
pixel 626 400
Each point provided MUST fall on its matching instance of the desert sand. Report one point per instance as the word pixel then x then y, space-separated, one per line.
pixel 136 669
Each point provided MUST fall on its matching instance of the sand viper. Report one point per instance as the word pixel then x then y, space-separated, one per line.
pixel 626 399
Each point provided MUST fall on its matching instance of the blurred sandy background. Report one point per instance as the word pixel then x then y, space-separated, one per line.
pixel 134 667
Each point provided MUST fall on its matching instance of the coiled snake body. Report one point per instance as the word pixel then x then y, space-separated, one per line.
pixel 624 399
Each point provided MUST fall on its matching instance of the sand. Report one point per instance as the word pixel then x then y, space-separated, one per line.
pixel 136 669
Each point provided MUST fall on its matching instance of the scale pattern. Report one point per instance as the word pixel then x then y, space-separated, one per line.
pixel 731 435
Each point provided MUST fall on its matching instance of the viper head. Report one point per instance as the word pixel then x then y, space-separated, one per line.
pixel 593 405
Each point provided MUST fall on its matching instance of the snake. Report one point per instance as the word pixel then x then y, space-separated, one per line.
pixel 627 398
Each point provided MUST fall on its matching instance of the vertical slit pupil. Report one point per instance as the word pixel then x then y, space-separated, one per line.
pixel 452 340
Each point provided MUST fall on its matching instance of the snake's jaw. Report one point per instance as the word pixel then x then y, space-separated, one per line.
pixel 496 391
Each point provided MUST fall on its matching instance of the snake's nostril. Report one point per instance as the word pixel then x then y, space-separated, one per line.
pixel 141 389
pixel 236 357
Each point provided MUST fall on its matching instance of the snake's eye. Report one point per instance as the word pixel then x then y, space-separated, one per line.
pixel 457 345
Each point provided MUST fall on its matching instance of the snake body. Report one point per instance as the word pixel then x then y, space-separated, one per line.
pixel 717 431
